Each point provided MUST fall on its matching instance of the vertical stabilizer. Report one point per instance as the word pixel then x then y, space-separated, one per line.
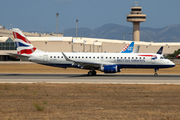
pixel 23 45
pixel 128 49
pixel 136 50
pixel 160 50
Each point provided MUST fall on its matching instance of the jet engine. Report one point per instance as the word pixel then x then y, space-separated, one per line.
pixel 110 69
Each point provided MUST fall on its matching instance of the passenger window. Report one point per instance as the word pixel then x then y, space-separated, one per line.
pixel 94 57
pixel 132 57
pixel 72 57
pixel 69 57
pixel 76 57
pixel 50 56
pixel 101 57
pixel 113 57
pixel 117 57
pixel 61 56
pixel 161 57
pixel 82 56
pixel 128 57
pixel 136 58
pixel 54 56
pixel 143 57
pixel 98 57
pixel 86 57
pixel 109 57
pixel 139 57
pixel 124 57
pixel 90 57
pixel 58 56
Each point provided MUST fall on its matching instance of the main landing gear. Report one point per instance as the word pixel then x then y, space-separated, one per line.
pixel 92 73
pixel 155 70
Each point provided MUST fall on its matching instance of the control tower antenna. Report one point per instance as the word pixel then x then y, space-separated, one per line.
pixel 136 17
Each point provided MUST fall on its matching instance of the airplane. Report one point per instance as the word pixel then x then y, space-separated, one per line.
pixel 128 48
pixel 105 62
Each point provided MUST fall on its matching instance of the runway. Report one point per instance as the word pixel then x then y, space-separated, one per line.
pixel 83 78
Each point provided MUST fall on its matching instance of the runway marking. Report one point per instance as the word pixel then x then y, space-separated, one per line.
pixel 36 81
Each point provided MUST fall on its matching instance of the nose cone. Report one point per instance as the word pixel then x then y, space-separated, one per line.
pixel 171 64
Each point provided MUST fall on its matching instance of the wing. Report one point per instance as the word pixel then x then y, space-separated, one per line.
pixel 85 64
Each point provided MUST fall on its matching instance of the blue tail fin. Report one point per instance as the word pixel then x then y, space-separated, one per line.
pixel 129 49
pixel 160 50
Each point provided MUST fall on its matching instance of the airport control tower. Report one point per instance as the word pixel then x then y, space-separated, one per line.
pixel 136 17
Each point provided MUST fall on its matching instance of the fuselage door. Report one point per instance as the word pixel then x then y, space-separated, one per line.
pixel 153 59
pixel 45 58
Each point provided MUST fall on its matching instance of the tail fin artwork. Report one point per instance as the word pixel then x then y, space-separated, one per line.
pixel 23 45
pixel 160 50
pixel 128 49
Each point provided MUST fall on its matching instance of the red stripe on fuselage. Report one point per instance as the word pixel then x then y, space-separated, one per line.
pixel 148 55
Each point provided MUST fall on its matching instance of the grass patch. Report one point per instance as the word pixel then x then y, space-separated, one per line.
pixel 6 87
pixel 39 106
pixel 89 101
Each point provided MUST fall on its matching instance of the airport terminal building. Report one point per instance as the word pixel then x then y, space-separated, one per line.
pixel 58 43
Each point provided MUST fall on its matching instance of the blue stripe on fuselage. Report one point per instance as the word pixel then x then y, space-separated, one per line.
pixel 118 65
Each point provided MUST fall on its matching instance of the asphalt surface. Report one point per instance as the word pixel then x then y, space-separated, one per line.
pixel 83 78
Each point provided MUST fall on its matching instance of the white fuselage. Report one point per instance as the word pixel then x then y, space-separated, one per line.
pixel 96 60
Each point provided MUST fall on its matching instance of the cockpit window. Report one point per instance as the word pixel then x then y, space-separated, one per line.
pixel 162 57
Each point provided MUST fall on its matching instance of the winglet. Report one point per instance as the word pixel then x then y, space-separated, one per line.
pixel 160 50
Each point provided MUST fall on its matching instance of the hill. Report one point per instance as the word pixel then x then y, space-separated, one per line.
pixel 114 31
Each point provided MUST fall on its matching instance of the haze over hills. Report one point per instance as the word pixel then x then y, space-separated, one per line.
pixel 115 31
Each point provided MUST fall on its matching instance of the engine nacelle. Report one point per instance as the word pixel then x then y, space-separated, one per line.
pixel 110 69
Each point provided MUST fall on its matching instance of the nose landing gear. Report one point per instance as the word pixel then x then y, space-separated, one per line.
pixel 155 70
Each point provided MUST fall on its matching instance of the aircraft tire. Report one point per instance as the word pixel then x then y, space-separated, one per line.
pixel 93 73
pixel 90 73
pixel 155 74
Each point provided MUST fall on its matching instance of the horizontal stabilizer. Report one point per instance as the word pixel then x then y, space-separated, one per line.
pixel 17 56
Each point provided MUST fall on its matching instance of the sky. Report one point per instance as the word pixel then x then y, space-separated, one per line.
pixel 40 15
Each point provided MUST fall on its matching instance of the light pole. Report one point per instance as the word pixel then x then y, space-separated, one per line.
pixel 57 23
pixel 76 28
pixel 123 35
pixel 84 46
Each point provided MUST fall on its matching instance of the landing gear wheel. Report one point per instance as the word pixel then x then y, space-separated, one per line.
pixel 155 74
pixel 155 70
pixel 92 73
